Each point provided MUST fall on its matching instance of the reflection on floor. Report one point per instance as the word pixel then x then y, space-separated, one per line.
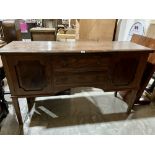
pixel 85 111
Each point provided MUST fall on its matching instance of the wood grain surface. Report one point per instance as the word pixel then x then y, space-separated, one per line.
pixel 69 47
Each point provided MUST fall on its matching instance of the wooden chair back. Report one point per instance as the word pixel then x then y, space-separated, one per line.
pixel 145 41
pixel 10 31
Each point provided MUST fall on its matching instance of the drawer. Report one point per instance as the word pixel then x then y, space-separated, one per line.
pixel 80 61
pixel 80 78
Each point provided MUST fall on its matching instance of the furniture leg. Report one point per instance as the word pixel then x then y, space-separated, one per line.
pixel 148 73
pixel 131 100
pixel 115 94
pixel 30 103
pixel 17 110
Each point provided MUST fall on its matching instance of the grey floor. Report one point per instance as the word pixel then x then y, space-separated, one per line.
pixel 87 111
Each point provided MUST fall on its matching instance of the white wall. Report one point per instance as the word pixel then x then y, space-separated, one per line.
pixel 124 26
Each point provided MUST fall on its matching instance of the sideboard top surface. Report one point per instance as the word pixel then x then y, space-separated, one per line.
pixel 72 47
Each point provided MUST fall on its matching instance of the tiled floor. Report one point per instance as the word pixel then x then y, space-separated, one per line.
pixel 85 111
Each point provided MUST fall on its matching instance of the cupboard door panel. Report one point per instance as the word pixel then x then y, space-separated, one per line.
pixel 31 74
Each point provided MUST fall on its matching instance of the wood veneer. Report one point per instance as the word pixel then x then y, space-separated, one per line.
pixel 45 68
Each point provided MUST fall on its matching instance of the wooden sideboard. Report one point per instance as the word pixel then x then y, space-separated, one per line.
pixel 42 68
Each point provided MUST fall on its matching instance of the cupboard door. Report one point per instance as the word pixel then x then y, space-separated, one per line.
pixel 126 70
pixel 30 74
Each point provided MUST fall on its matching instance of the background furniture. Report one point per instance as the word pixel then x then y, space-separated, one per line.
pixel 65 37
pixel 3 104
pixel 49 23
pixel 10 30
pixel 30 24
pixel 151 34
pixel 1 32
pixel 45 68
pixel 43 34
pixel 66 34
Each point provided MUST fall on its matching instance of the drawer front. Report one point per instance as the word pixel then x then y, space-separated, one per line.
pixel 109 72
pixel 80 78
pixel 80 61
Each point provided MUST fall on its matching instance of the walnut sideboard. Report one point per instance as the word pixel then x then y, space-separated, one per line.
pixel 42 68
